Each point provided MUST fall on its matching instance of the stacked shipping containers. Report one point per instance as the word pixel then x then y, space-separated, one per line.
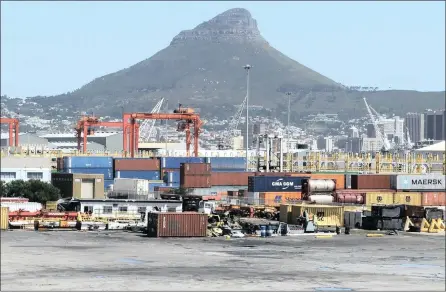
pixel 137 168
pixel 274 190
pixel 89 165
pixel 227 164
pixel 420 190
pixel 170 168
pixel 195 175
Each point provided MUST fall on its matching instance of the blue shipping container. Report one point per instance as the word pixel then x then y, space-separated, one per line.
pixel 88 162
pixel 141 174
pixel 108 183
pixel 275 183
pixel 173 185
pixel 152 185
pixel 227 162
pixel 174 162
pixel 107 172
pixel 171 177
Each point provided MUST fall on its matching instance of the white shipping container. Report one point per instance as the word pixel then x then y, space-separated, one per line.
pixel 131 185
pixel 28 206
pixel 421 182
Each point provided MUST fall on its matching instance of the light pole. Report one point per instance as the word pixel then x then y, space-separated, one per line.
pixel 247 67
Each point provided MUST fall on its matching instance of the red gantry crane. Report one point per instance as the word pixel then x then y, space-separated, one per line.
pixel 85 126
pixel 13 130
pixel 185 116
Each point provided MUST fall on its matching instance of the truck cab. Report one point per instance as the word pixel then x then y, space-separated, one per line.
pixel 207 207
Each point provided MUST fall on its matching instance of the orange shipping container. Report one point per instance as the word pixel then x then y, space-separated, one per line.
pixel 276 199
pixel 433 199
pixel 340 178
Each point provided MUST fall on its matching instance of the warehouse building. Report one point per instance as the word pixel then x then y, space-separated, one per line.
pixel 100 141
pixel 25 168
pixel 25 139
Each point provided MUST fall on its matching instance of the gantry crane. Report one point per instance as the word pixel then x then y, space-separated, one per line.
pixel 233 125
pixel 146 128
pixel 185 116
pixel 380 135
pixel 85 127
pixel 13 129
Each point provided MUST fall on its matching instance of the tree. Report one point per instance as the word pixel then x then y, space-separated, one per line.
pixel 3 189
pixel 34 190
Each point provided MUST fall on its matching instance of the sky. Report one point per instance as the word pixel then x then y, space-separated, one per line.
pixel 49 48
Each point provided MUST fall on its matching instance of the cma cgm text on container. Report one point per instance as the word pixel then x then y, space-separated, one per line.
pixel 275 183
pixel 419 182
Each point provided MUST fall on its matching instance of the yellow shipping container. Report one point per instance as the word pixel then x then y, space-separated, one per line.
pixel 51 205
pixel 378 198
pixel 326 215
pixel 4 218
pixel 355 208
pixel 413 199
pixel 285 213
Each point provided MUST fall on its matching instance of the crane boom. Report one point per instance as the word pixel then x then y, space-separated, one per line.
pixel 233 125
pixel 379 134
pixel 147 126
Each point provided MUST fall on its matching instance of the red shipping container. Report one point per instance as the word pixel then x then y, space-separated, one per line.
pixel 137 164
pixel 195 181
pixel 162 189
pixel 195 168
pixel 177 224
pixel 371 181
pixel 230 178
pixel 433 199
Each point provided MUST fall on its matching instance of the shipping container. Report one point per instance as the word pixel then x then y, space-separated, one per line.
pixel 278 198
pixel 338 178
pixel 314 186
pixel 194 181
pixel 88 162
pixel 137 164
pixel 131 186
pixel 230 178
pixel 274 184
pixel 171 176
pixel 320 199
pixel 407 198
pixel 51 205
pixel 229 170
pixel 379 197
pixel 175 162
pixel 107 172
pixel 28 206
pixel 141 174
pixel 325 215
pixel 59 164
pixel 195 169
pixel 285 213
pixel 177 225
pixel 155 183
pixel 433 199
pixel 416 182
pixel 222 163
pixel 4 218
pixel 351 198
pixel 371 181
pixel 281 174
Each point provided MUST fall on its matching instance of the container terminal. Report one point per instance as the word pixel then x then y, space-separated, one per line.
pixel 267 218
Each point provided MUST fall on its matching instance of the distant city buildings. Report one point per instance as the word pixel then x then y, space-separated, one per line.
pixel 415 125
pixel 435 125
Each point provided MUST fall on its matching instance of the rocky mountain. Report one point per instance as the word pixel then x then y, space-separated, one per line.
pixel 203 67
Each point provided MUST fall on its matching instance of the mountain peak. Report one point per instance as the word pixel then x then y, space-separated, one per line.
pixel 233 25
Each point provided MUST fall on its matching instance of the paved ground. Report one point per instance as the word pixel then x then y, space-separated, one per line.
pixel 127 261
